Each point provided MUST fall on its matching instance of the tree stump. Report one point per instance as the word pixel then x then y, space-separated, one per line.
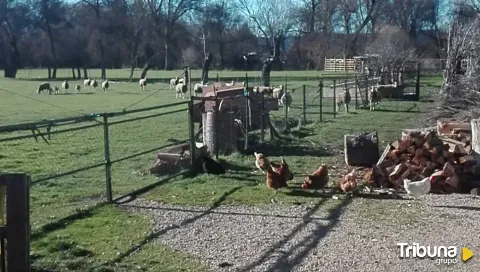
pixel 362 149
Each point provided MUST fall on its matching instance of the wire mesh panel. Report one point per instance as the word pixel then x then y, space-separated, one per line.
pixel 141 147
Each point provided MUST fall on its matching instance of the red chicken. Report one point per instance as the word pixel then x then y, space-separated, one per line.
pixel 318 179
pixel 277 177
pixel 348 184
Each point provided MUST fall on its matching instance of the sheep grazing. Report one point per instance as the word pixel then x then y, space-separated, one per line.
pixel 77 87
pixel 181 80
pixel 86 82
pixel 180 90
pixel 286 100
pixel 94 84
pixel 142 82
pixel 277 92
pixel 230 84
pixel 105 85
pixel 44 86
pixel 343 99
pixel 173 82
pixel 373 98
pixel 56 90
pixel 65 85
pixel 198 88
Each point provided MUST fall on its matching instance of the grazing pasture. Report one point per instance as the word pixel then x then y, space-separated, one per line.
pixel 106 235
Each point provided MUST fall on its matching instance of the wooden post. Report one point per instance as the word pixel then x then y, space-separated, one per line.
pixel 476 139
pixel 218 79
pixel 262 119
pixel 108 163
pixel 356 92
pixel 334 64
pixel 18 221
pixel 320 100
pixel 304 105
pixel 191 130
pixel 334 98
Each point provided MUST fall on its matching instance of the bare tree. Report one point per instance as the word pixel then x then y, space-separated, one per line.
pixel 271 19
pixel 96 6
pixel 165 15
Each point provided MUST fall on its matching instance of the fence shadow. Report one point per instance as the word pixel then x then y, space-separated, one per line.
pixel 160 232
pixel 283 263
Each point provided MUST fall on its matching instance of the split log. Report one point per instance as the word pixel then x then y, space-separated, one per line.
pixel 444 127
pixel 362 149
pixel 475 124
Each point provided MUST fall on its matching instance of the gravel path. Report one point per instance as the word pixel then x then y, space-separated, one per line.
pixel 358 234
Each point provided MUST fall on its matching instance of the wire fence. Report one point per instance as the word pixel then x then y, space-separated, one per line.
pixel 79 162
pixel 83 161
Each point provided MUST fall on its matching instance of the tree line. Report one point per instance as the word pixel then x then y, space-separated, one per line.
pixel 169 34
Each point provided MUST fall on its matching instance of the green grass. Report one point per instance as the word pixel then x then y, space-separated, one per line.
pixel 60 197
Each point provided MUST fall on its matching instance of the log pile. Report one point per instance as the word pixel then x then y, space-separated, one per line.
pixel 445 155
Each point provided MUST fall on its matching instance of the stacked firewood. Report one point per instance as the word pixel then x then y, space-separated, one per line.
pixel 444 155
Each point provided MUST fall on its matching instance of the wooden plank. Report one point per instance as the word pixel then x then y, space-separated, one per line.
pixel 18 222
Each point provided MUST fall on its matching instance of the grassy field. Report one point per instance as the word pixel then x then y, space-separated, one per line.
pixel 75 247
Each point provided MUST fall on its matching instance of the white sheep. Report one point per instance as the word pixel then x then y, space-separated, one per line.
pixel 105 85
pixel 198 88
pixel 181 80
pixel 77 87
pixel 180 90
pixel 86 82
pixel 173 82
pixel 143 82
pixel 373 98
pixel 56 90
pixel 44 86
pixel 65 85
pixel 94 84
pixel 230 84
pixel 277 92
pixel 286 100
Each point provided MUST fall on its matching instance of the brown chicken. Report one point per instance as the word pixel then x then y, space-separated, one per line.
pixel 348 184
pixel 287 175
pixel 318 179
pixel 277 177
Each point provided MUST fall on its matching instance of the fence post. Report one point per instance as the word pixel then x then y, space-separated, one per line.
pixel 190 80
pixel 285 111
pixel 417 84
pixel 108 164
pixel 334 98
pixel 246 80
pixel 356 92
pixel 218 79
pixel 18 221
pixel 304 105
pixel 321 98
pixel 191 132
pixel 262 120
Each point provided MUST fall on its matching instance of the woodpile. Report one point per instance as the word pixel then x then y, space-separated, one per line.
pixel 445 155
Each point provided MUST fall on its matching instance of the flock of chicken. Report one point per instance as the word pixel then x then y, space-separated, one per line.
pixel 278 174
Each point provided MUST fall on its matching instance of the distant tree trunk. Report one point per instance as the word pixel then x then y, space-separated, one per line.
pixel 102 59
pixel 79 73
pixel 266 69
pixel 73 73
pixel 52 43
pixel 167 54
pixel 85 72
pixel 277 42
pixel 132 69
pixel 145 69
pixel 49 69
pixel 12 64
pixel 206 67
pixel 221 49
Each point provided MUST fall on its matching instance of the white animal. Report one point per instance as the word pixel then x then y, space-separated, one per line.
pixel 44 86
pixel 173 82
pixel 373 98
pixel 277 92
pixel 86 82
pixel 56 90
pixel 180 90
pixel 77 88
pixel 65 85
pixel 343 99
pixel 286 100
pixel 417 188
pixel 230 84
pixel 105 85
pixel 94 84
pixel 198 88
pixel 181 80
pixel 143 82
